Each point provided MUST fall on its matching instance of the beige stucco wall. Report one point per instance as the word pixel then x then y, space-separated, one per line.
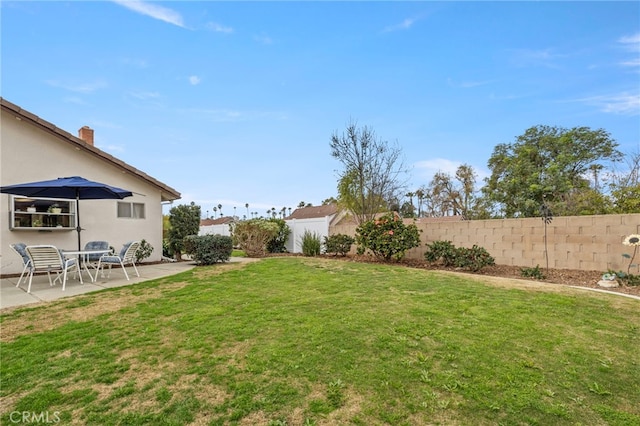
pixel 573 242
pixel 30 154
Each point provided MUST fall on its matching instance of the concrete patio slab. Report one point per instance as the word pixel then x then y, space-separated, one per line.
pixel 41 291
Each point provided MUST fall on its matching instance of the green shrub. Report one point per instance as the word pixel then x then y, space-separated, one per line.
pixel 338 244
pixel 387 237
pixel 144 251
pixel 277 243
pixel 472 259
pixel 627 278
pixel 443 251
pixel 167 250
pixel 208 249
pixel 534 273
pixel 253 235
pixel 310 242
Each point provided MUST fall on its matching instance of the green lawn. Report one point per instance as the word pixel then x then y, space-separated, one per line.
pixel 304 341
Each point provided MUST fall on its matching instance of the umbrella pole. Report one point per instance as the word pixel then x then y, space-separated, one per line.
pixel 78 228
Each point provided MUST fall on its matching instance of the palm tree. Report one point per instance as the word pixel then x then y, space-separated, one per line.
pixel 410 195
pixel 247 207
pixel 220 208
pixel 420 194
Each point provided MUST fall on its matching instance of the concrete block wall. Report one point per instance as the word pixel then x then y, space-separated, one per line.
pixel 572 242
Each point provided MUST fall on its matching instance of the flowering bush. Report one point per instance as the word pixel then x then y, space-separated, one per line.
pixel 387 237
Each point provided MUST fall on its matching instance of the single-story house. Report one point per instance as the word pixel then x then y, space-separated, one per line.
pixel 313 219
pixel 219 226
pixel 33 149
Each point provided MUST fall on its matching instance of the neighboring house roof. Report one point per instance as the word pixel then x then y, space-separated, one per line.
pixel 167 193
pixel 219 221
pixel 314 212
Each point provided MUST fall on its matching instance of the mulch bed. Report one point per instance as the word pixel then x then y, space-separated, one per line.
pixel 570 277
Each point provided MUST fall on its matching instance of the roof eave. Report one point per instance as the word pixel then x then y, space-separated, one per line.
pixel 167 193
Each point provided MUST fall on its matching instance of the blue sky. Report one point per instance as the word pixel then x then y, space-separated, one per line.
pixel 235 102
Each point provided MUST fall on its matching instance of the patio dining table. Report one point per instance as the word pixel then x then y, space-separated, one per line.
pixel 82 256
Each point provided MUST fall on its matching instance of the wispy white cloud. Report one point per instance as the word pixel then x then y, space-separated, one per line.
pixel 633 41
pixel 194 80
pixel 435 165
pixel 144 96
pixel 536 57
pixel 428 168
pixel 230 115
pixel 85 88
pixel 404 25
pixel 153 10
pixel 632 44
pixel 218 115
pixel 631 63
pixel 263 39
pixel 75 100
pixel 621 103
pixel 218 28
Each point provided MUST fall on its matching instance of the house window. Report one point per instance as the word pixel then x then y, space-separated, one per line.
pixel 131 210
pixel 42 214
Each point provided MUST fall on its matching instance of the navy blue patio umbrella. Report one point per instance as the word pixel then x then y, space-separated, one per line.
pixel 71 188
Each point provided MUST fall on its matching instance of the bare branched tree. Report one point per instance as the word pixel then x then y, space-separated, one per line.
pixel 372 178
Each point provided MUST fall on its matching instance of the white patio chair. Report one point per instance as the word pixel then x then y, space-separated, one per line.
pixel 19 248
pixel 47 258
pixel 127 256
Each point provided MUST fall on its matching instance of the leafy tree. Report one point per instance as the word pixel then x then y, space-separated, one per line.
pixel 466 177
pixel 444 196
pixel 184 220
pixel 371 179
pixel 546 165
pixel 166 225
pixel 330 200
pixel 625 186
pixel 448 195
pixel 407 210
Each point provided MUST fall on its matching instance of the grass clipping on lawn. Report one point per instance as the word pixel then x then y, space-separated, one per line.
pixel 317 341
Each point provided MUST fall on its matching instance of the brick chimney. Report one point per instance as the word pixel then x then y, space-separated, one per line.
pixel 86 134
